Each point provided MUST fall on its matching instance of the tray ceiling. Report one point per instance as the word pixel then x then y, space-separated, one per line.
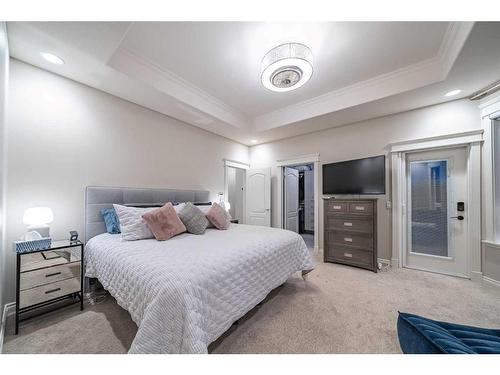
pixel 208 73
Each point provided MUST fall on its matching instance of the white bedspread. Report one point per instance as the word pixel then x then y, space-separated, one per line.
pixel 185 292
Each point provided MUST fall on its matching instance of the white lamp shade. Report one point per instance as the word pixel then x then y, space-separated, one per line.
pixel 38 216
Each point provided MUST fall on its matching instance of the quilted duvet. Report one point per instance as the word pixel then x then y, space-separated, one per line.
pixel 185 292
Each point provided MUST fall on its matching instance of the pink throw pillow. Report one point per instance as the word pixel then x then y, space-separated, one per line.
pixel 219 217
pixel 164 222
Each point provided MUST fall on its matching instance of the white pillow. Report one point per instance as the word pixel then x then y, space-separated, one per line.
pixel 132 225
pixel 204 208
pixel 178 207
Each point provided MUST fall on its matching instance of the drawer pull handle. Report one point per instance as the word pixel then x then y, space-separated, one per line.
pixel 360 208
pixel 337 207
pixel 53 274
pixel 347 239
pixel 52 290
pixel 348 255
pixel 347 224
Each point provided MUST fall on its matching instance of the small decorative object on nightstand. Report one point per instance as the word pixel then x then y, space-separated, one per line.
pixel 73 236
pixel 47 277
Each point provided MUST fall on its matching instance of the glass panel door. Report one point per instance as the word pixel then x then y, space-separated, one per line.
pixel 436 216
pixel 429 207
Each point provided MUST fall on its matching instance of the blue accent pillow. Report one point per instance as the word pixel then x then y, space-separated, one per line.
pixel 419 335
pixel 111 220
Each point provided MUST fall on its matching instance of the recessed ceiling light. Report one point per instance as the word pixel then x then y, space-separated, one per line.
pixel 253 141
pixel 286 67
pixel 453 93
pixel 50 57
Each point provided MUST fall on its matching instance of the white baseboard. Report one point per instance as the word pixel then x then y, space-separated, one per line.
pixel 476 276
pixel 395 262
pixel 8 310
pixel 490 281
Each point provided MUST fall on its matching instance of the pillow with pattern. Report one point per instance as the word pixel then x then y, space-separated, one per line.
pixel 132 225
pixel 193 219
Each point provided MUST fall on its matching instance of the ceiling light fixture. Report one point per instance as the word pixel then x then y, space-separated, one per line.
pixel 286 67
pixel 253 141
pixel 50 57
pixel 453 93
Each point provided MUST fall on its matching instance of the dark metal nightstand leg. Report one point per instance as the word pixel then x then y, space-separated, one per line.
pixel 82 276
pixel 18 277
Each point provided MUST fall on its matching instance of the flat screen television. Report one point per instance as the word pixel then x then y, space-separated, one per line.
pixel 361 176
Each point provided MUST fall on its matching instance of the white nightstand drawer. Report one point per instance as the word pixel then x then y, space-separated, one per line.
pixel 47 292
pixel 49 275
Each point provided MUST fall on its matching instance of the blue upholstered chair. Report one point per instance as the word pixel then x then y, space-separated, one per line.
pixel 419 335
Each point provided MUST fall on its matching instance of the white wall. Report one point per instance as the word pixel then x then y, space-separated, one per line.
pixel 368 138
pixel 63 136
pixel 4 75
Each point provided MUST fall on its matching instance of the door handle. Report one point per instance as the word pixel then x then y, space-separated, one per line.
pixel 459 217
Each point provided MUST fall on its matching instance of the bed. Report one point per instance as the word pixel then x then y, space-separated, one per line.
pixel 185 292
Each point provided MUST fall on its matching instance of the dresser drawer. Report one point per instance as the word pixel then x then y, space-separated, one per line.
pixel 350 224
pixel 350 255
pixel 361 208
pixel 49 258
pixel 49 275
pixel 363 241
pixel 49 291
pixel 340 207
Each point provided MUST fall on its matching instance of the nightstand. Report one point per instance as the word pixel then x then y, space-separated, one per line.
pixel 46 277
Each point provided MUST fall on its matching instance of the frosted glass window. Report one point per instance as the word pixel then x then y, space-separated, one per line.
pixel 429 207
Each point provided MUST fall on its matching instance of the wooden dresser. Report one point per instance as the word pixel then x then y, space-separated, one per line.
pixel 351 232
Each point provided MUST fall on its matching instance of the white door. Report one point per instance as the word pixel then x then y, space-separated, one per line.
pixel 258 197
pixel 309 200
pixel 291 188
pixel 436 215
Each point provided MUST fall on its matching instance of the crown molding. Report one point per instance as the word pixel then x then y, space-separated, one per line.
pixel 130 63
pixel 209 108
pixel 455 36
pixel 413 76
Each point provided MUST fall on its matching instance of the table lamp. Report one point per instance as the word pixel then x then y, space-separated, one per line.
pixel 37 219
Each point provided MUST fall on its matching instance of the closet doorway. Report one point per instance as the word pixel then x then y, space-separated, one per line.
pixel 235 189
pixel 298 201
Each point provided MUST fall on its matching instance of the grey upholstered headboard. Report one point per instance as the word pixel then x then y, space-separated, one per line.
pixel 99 197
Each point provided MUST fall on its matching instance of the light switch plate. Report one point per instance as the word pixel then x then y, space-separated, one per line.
pixel 388 205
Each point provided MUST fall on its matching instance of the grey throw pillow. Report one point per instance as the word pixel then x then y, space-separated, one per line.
pixel 193 219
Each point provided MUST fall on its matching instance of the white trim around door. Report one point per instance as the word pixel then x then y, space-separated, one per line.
pixel 298 160
pixel 472 140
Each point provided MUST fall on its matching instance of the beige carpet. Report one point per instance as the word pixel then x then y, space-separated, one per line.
pixel 338 310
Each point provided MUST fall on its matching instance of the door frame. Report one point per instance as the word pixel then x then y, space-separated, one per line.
pixel 285 197
pixel 290 162
pixel 472 140
pixel 239 165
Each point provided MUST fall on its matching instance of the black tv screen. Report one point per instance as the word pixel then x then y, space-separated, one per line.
pixel 361 176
